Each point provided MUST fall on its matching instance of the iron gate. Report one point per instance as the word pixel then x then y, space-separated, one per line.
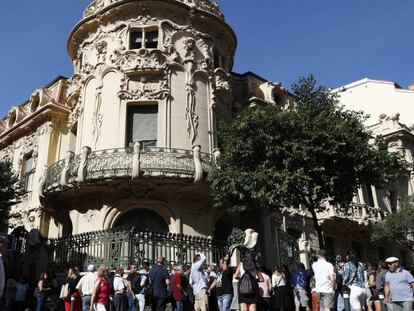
pixel 287 250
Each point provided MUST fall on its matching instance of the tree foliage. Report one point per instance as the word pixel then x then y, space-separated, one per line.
pixel 274 157
pixel 398 226
pixel 9 192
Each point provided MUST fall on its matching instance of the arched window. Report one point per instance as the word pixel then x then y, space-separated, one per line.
pixel 143 219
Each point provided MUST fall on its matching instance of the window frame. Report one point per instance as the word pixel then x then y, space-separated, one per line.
pixel 143 31
pixel 145 142
pixel 27 176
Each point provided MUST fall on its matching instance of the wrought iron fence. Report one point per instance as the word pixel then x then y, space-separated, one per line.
pixel 123 246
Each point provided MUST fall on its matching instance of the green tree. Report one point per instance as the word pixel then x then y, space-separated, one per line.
pixel 274 157
pixel 398 226
pixel 9 192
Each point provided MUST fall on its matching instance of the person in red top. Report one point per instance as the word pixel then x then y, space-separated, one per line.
pixel 178 288
pixel 101 291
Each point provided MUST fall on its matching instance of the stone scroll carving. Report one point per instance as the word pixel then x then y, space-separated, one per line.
pixel 82 171
pixel 64 177
pixel 198 174
pixel 136 159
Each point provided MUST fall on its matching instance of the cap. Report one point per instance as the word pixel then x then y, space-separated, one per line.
pixel 91 268
pixel 391 259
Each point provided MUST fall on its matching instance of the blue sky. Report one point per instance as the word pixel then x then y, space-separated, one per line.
pixel 338 41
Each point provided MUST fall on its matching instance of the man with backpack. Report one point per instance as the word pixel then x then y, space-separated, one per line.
pixel 137 286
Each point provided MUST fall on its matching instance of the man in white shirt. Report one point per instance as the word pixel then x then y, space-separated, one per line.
pixel 3 245
pixel 86 285
pixel 199 283
pixel 324 281
pixel 120 298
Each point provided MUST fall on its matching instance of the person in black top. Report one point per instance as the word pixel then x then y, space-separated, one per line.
pixel 72 279
pixel 223 285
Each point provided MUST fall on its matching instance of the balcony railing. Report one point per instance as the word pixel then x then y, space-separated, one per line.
pixel 126 163
pixel 360 213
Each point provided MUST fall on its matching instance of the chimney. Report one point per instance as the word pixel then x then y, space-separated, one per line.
pixel 411 86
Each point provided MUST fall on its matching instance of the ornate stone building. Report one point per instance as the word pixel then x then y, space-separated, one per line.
pixel 129 138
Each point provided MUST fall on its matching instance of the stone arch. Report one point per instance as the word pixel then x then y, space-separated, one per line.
pixel 117 210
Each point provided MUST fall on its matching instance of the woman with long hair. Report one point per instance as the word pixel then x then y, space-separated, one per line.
pixel 354 278
pixel 376 283
pixel 249 278
pixel 101 291
pixel 72 280
pixel 42 291
pixel 280 293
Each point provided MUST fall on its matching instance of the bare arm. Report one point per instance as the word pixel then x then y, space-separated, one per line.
pixel 129 287
pixel 212 286
pixel 95 289
pixel 386 292
pixel 237 273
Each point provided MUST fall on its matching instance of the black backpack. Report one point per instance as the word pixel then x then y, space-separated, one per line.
pixel 246 284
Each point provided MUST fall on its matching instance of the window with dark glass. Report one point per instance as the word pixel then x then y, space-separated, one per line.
pixel 393 201
pixel 136 40
pixel 142 125
pixel 143 38
pixel 151 39
pixel 28 173
pixel 370 196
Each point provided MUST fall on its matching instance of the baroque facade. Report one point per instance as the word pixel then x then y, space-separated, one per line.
pixel 128 139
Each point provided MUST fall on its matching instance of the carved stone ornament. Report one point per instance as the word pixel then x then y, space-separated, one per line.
pixel 204 5
pixel 222 80
pixel 145 91
pixel 198 175
pixel 143 60
pixel 6 154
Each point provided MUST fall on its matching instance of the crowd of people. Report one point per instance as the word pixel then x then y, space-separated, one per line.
pixel 345 285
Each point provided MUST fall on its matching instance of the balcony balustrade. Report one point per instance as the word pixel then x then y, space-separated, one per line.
pixel 126 163
pixel 360 213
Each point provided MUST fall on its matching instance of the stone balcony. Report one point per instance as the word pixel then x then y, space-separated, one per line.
pixel 203 5
pixel 130 163
pixel 360 213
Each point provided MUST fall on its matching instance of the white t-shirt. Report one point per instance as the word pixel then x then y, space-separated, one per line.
pixel 324 272
pixel 119 283
pixel 87 283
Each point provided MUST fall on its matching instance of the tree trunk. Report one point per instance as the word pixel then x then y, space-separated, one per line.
pixel 317 227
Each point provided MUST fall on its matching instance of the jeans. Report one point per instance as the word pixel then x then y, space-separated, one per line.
pixel 131 302
pixel 86 302
pixel 179 306
pixel 402 306
pixel 224 302
pixel 40 303
pixel 340 304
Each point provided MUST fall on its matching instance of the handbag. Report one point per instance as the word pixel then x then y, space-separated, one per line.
pixel 64 291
